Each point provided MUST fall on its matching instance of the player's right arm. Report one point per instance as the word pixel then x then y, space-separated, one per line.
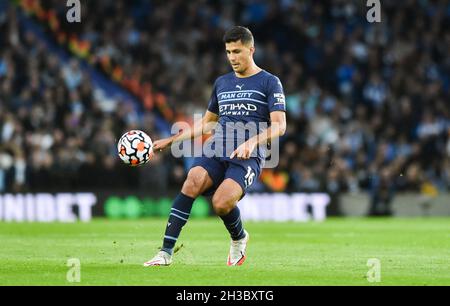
pixel 201 127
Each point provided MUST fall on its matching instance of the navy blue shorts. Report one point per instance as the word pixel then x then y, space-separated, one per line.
pixel 244 171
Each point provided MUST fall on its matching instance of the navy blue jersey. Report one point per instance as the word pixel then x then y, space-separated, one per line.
pixel 246 101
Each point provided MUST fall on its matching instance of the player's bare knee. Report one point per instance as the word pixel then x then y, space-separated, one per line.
pixel 222 210
pixel 193 184
pixel 222 206
pixel 191 188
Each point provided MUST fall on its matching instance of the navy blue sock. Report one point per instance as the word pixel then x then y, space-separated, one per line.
pixel 179 215
pixel 233 223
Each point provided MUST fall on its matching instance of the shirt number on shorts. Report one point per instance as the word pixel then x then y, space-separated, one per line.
pixel 248 179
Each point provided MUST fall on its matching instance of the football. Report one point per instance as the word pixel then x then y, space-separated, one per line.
pixel 135 148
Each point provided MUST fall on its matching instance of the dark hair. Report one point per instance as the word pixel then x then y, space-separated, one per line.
pixel 237 33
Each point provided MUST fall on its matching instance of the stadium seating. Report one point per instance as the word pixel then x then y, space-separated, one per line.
pixel 368 105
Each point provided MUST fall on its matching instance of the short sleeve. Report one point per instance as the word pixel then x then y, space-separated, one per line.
pixel 275 96
pixel 213 105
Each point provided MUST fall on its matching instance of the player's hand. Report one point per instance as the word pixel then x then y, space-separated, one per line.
pixel 161 144
pixel 244 150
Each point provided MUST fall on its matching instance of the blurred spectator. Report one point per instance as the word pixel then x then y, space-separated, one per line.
pixel 382 193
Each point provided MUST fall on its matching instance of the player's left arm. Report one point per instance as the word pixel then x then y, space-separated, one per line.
pixel 276 129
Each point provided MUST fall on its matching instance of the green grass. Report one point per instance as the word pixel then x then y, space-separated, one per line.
pixel 335 252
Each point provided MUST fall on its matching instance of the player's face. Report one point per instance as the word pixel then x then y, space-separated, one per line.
pixel 239 55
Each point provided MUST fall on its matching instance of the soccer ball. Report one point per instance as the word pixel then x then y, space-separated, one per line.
pixel 135 148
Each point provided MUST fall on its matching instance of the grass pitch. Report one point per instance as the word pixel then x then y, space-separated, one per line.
pixel 335 252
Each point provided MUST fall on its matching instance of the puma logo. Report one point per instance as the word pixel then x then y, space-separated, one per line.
pixel 240 87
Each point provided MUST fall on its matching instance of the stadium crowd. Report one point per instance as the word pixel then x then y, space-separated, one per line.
pixel 368 105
